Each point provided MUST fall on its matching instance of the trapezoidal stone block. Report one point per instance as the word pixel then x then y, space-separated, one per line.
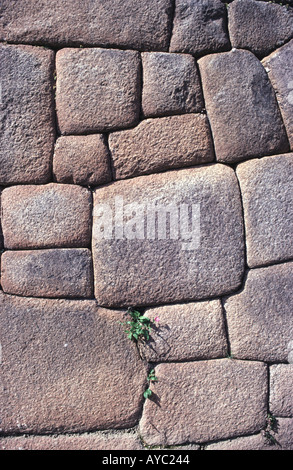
pixel 184 332
pixel 281 386
pixel 200 27
pixel 133 24
pixel 242 108
pixel 59 360
pixel 260 318
pixel 169 237
pixel 46 216
pixel 161 144
pixel 171 84
pixel 259 26
pixel 97 90
pixel 267 194
pixel 65 272
pixel 27 114
pixel 280 71
pixel 205 400
pixel 82 160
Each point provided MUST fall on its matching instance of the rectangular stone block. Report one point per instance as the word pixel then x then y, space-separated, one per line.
pixel 279 68
pixel 242 108
pixel 48 273
pixel 170 237
pixel 200 27
pixel 171 84
pixel 186 331
pixel 267 194
pixel 27 114
pixel 60 358
pixel 122 23
pixel 46 216
pixel 281 387
pixel 199 402
pixel 161 144
pixel 260 318
pixel 82 159
pixel 97 90
pixel 259 26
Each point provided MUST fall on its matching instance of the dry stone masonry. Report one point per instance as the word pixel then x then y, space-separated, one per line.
pixel 146 164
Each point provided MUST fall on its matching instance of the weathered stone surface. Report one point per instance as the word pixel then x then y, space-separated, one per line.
pixel 259 26
pixel 267 195
pixel 60 358
pixel 46 216
pixel 82 160
pixel 260 318
pixel 200 27
pixel 161 144
pixel 47 273
pixel 87 441
pixel 27 114
pixel 138 25
pixel 205 400
pixel 144 262
pixel 280 71
pixel 97 90
pixel 185 332
pixel 242 107
pixel 281 386
pixel 171 84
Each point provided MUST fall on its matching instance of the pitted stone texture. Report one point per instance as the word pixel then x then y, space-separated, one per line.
pixel 27 114
pixel 97 90
pixel 46 216
pixel 281 387
pixel 259 26
pixel 130 23
pixel 47 273
pixel 242 107
pixel 82 160
pixel 171 84
pixel 186 332
pixel 200 27
pixel 280 71
pixel 161 144
pixel 204 401
pixel 260 317
pixel 86 441
pixel 267 194
pixel 283 437
pixel 153 265
pixel 59 362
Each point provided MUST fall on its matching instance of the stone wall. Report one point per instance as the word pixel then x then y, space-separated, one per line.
pixel 146 166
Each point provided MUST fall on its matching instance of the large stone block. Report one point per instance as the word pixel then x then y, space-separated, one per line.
pixel 281 386
pixel 86 441
pixel 260 318
pixel 48 273
pixel 122 23
pixel 186 331
pixel 46 216
pixel 171 84
pixel 204 401
pixel 242 107
pixel 280 71
pixel 259 26
pixel 82 159
pixel 267 195
pixel 161 144
pixel 60 358
pixel 200 27
pixel 27 114
pixel 97 90
pixel 169 237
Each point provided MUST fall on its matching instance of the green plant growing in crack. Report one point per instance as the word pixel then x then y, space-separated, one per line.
pixel 271 426
pixel 151 378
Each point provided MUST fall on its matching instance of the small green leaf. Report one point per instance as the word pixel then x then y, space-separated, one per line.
pixel 147 393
